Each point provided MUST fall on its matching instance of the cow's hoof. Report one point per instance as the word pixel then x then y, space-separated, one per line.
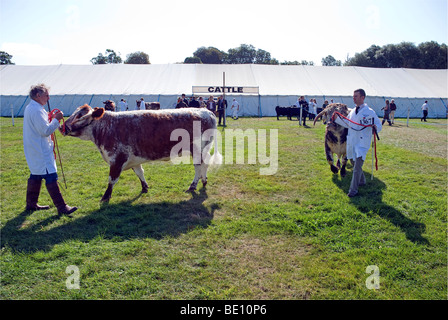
pixel 334 169
pixel 145 190
pixel 191 189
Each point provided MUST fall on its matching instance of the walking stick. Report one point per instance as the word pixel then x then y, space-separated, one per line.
pixel 57 148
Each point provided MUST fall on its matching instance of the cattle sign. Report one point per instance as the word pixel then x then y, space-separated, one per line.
pixel 224 90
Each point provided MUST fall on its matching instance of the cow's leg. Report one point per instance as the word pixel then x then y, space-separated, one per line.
pixel 140 174
pixel 330 161
pixel 116 166
pixel 197 175
pixel 204 168
pixel 344 163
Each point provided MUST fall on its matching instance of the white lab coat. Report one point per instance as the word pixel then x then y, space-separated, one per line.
pixel 37 143
pixel 358 142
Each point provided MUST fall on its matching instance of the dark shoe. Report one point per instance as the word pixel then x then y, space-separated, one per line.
pixel 351 194
pixel 32 195
pixel 58 200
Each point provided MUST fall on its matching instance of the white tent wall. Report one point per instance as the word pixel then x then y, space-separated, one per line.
pixel 74 85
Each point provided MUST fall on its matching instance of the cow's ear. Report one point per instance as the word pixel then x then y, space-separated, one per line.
pixel 97 113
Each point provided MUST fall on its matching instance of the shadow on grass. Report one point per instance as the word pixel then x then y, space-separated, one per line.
pixel 370 201
pixel 120 221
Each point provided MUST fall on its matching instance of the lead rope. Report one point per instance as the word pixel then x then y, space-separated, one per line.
pixel 55 142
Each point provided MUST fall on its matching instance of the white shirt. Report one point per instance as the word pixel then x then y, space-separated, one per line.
pixel 37 143
pixel 235 104
pixel 358 141
pixel 425 106
pixel 312 108
pixel 121 106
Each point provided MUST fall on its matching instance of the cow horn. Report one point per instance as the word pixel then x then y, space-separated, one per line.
pixel 318 116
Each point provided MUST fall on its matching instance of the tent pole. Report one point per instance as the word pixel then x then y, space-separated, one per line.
pixel 20 109
pixel 224 96
pixel 12 114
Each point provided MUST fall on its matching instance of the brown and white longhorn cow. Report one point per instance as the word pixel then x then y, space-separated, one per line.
pixel 335 137
pixel 128 139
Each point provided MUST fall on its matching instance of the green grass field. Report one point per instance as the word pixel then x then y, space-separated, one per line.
pixel 292 235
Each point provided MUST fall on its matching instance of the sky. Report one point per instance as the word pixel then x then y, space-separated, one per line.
pixel 49 32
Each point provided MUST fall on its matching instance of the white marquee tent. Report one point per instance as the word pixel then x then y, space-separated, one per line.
pixel 258 88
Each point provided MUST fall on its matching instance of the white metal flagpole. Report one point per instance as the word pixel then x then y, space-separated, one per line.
pixel 224 96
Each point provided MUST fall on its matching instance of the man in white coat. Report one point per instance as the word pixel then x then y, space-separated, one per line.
pixel 359 137
pixel 235 109
pixel 38 148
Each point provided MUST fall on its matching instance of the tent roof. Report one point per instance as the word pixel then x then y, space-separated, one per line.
pixel 174 79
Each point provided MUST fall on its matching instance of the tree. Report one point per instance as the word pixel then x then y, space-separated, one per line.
pixel 264 57
pixel 138 57
pixel 331 61
pixel 244 54
pixel 193 60
pixel 427 55
pixel 410 55
pixel 109 58
pixel 5 58
pixel 364 59
pixel 433 55
pixel 209 55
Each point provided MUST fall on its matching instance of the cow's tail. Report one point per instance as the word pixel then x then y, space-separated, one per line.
pixel 216 158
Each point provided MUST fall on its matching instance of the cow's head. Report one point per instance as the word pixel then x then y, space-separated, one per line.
pixel 81 118
pixel 328 112
pixel 109 105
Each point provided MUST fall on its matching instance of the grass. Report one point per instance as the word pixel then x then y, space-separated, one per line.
pixel 292 235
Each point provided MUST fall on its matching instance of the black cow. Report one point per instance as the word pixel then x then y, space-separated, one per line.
pixel 290 112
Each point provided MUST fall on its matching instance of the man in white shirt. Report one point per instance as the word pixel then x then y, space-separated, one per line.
pixel 38 148
pixel 359 137
pixel 235 109
pixel 425 111
pixel 122 106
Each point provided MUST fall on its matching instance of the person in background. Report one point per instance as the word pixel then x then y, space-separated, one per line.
pixel 393 107
pixel 38 148
pixel 211 104
pixel 386 109
pixel 122 106
pixel 222 105
pixel 181 103
pixel 184 99
pixel 425 111
pixel 202 103
pixel 235 109
pixel 194 103
pixel 142 105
